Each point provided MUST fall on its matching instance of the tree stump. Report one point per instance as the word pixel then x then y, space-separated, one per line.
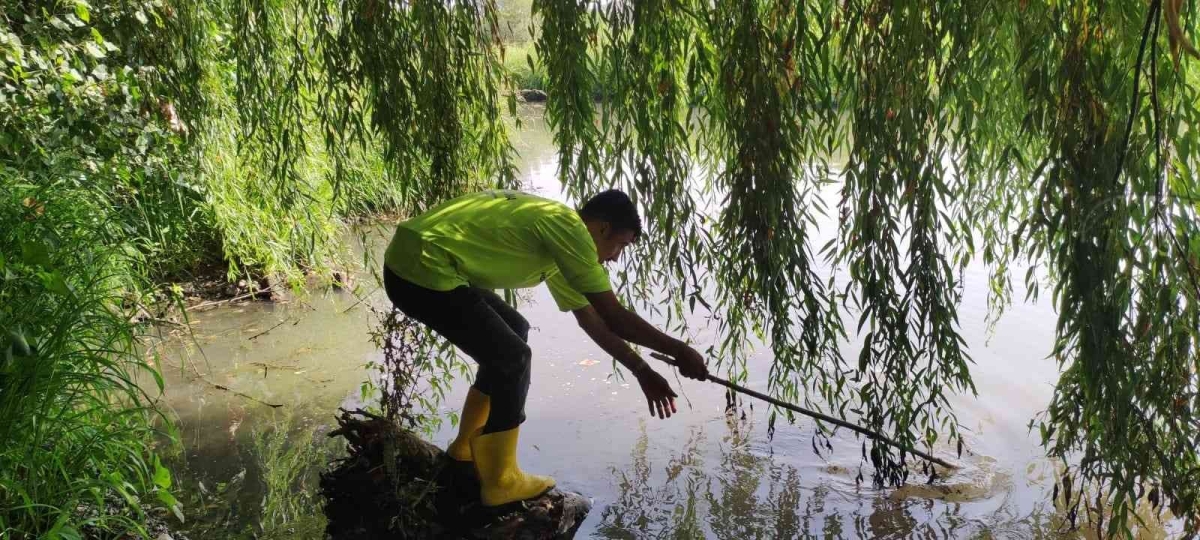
pixel 395 485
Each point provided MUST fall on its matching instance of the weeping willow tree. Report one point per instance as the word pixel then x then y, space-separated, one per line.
pixel 1050 136
pixel 1057 137
pixel 1053 141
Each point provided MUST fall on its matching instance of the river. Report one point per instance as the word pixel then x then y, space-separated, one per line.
pixel 244 467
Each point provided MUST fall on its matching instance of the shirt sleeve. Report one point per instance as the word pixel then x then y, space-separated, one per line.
pixel 566 239
pixel 565 297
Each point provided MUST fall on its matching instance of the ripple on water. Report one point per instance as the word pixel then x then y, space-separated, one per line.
pixel 976 480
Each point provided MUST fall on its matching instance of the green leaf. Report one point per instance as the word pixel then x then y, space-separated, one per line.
pixel 59 24
pixel 94 50
pixel 7 366
pixel 55 283
pixel 35 254
pixel 81 11
pixel 158 378
pixel 864 356
pixel 162 476
pixel 166 498
pixel 171 502
pixel 19 343
pixel 71 76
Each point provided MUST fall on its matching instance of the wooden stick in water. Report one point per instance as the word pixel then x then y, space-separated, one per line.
pixel 822 417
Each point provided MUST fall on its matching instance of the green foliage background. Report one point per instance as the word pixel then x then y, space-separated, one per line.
pixel 1058 137
pixel 126 164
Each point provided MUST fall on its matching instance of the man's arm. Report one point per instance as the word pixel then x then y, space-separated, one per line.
pixel 659 395
pixel 612 343
pixel 631 327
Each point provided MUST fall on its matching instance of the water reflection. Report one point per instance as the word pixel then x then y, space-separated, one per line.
pixel 741 491
pixel 261 483
pixel 740 494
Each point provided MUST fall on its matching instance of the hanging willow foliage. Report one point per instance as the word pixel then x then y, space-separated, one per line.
pixel 1055 136
pixel 429 77
pixel 647 141
pixel 426 78
pixel 1115 219
pixel 764 131
pixel 896 236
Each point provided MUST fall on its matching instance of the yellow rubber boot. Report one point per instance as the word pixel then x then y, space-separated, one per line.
pixel 500 480
pixel 474 415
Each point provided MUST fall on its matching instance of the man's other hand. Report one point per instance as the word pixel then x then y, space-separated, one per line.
pixel 659 395
pixel 691 363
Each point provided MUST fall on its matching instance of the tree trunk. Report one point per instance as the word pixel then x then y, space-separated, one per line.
pixel 395 485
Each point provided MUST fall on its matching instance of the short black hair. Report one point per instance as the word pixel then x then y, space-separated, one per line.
pixel 614 207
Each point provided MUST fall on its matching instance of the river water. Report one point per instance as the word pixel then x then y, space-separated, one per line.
pixel 246 468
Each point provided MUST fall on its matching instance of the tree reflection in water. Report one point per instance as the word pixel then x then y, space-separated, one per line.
pixel 739 491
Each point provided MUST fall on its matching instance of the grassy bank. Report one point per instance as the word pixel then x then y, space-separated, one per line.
pixel 521 61
pixel 523 64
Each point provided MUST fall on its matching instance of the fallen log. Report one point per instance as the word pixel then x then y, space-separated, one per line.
pixel 533 96
pixel 393 484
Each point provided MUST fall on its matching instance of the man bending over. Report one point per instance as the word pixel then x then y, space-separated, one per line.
pixel 440 269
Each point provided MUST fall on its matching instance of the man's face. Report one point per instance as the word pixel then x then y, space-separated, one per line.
pixel 610 242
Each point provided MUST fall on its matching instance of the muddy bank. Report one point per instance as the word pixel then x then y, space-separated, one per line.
pixel 209 287
pixel 159 523
pixel 213 288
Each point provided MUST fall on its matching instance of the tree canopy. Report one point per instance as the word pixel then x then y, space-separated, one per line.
pixel 1052 140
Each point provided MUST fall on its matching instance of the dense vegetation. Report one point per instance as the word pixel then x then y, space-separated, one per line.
pixel 1054 139
pixel 110 191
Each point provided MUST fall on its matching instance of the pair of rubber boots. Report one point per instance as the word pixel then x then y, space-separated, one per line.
pixel 494 455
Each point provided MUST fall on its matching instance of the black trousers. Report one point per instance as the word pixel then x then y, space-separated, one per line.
pixel 486 328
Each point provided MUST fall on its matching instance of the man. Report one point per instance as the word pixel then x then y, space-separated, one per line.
pixel 441 267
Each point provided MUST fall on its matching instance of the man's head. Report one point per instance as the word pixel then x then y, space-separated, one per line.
pixel 613 221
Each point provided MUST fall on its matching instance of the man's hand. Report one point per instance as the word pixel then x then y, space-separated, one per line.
pixel 659 395
pixel 690 363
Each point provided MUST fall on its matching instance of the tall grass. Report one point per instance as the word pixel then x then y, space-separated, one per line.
pixel 521 62
pixel 91 206
pixel 74 421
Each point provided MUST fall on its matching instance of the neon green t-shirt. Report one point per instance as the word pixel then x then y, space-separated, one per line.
pixel 500 240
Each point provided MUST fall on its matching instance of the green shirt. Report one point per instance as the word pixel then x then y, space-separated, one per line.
pixel 500 240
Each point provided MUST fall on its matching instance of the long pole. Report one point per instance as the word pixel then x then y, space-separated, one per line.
pixel 822 417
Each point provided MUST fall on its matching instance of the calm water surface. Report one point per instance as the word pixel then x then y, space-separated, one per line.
pixel 250 468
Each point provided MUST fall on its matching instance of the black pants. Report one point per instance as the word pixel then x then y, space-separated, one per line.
pixel 484 326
